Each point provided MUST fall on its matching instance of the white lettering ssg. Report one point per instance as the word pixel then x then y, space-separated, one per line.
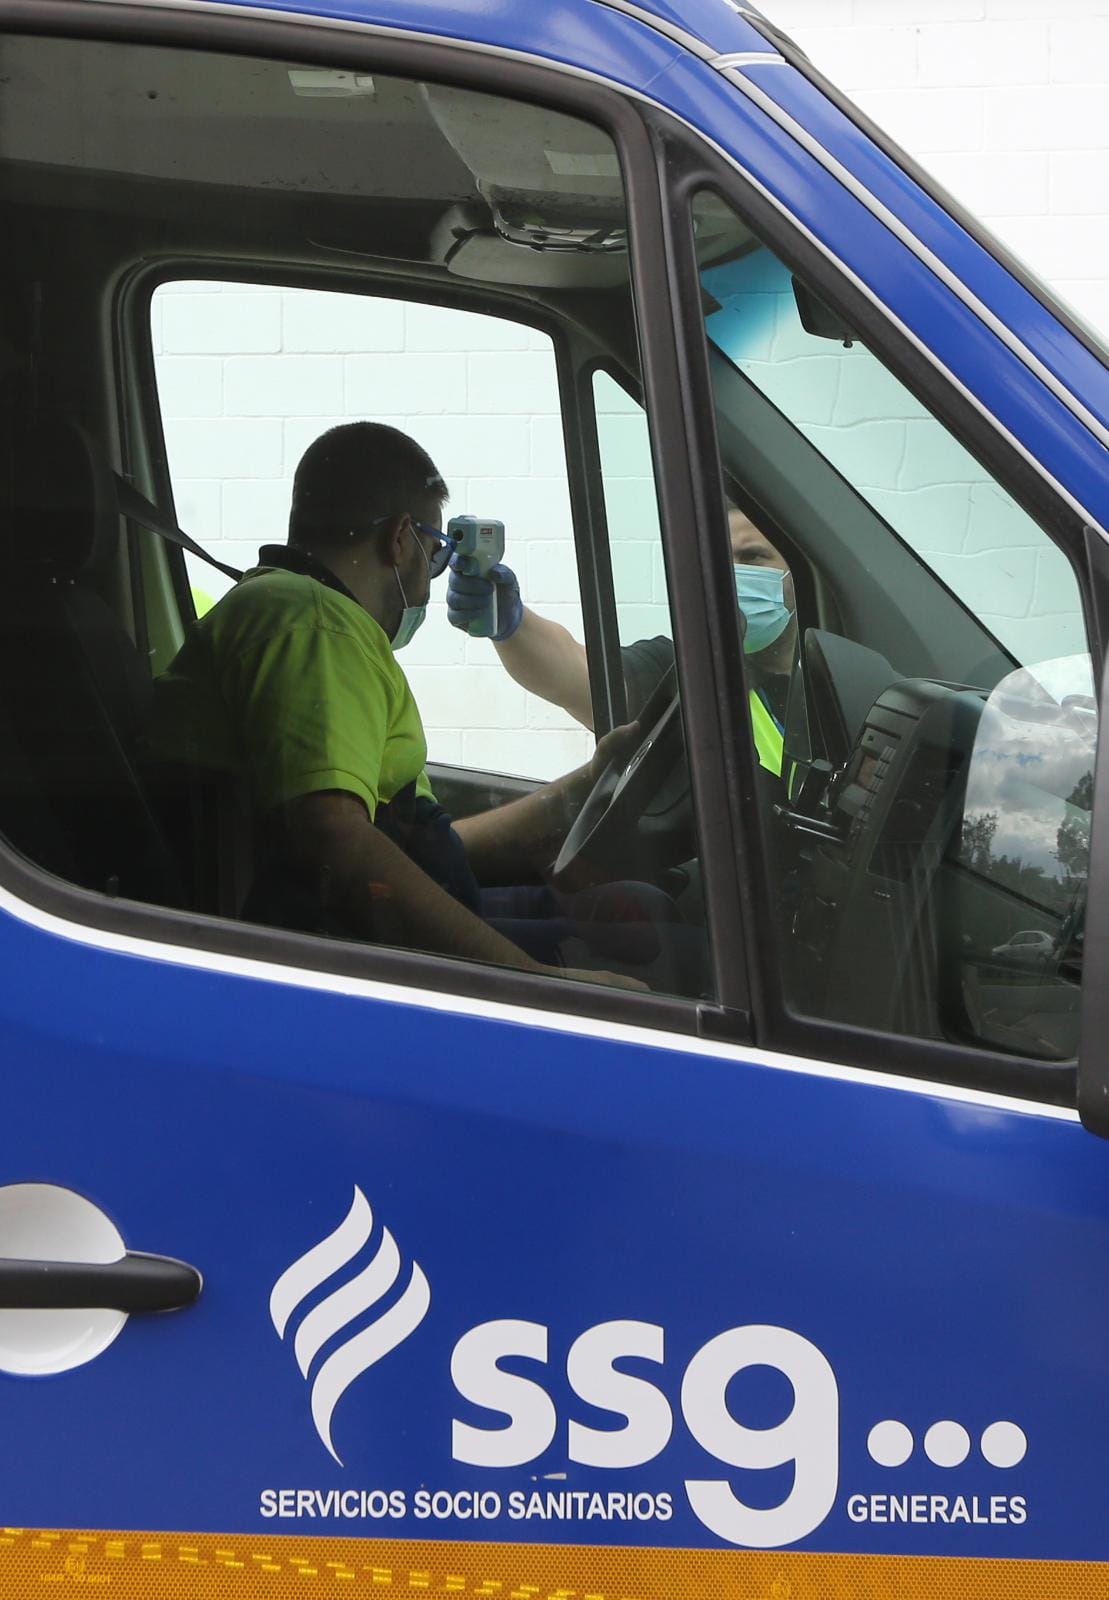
pixel 808 1437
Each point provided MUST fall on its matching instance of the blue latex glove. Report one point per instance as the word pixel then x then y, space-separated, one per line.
pixel 470 600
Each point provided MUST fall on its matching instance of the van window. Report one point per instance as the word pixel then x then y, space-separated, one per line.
pixel 275 367
pixel 638 573
pixel 900 459
pixel 375 296
pixel 916 646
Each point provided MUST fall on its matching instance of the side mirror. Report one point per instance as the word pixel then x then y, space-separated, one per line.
pixel 819 319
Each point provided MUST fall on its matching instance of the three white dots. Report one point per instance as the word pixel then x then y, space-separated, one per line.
pixel 946 1444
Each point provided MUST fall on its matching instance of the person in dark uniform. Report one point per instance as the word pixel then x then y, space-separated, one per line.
pixel 547 660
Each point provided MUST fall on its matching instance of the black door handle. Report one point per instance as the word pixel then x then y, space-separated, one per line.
pixel 136 1283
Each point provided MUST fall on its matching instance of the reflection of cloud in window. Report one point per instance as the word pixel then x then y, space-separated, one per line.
pixel 1030 782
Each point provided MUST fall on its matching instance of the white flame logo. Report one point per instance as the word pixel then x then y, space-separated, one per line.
pixel 343 1305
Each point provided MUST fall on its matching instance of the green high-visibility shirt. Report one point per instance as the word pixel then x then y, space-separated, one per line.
pixel 291 687
pixel 769 742
pixel 646 663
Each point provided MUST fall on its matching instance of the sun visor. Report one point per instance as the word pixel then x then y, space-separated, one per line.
pixel 552 186
pixel 470 246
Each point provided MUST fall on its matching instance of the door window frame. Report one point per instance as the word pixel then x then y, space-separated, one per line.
pixel 695 168
pixel 681 504
pixel 576 363
pixel 140 399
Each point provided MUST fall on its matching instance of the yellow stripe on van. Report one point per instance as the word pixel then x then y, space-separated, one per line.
pixel 179 1566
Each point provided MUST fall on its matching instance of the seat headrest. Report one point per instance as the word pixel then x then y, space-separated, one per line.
pixel 60 510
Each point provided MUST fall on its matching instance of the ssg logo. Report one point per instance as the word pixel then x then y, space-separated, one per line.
pixel 807 1439
pixel 343 1306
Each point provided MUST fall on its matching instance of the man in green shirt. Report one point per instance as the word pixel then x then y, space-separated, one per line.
pixel 290 687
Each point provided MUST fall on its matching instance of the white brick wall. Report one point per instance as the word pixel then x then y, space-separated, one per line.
pixel 930 489
pixel 480 394
pixel 1006 101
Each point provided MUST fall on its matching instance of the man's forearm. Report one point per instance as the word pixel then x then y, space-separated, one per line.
pixel 513 842
pixel 361 876
pixel 544 658
pixel 518 839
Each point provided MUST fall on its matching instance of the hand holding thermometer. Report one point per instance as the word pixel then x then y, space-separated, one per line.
pixel 479 547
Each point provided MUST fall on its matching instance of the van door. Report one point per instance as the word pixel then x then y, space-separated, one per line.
pixel 309 1154
pixel 922 860
pixel 514 1284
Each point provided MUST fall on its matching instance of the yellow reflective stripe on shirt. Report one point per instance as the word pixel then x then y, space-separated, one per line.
pixel 769 743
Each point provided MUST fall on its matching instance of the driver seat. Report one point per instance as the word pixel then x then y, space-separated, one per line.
pixel 77 690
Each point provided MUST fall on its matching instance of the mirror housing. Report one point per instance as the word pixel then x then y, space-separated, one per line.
pixel 819 319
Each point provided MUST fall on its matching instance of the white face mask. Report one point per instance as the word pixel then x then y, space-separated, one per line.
pixel 412 617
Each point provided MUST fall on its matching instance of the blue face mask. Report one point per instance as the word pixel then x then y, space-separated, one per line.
pixel 412 617
pixel 761 595
pixel 411 620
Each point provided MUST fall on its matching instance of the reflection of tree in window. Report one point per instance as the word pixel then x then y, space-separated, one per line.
pixel 977 841
pixel 1072 842
pixel 1026 878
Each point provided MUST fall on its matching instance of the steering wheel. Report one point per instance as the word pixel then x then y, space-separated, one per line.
pixel 642 802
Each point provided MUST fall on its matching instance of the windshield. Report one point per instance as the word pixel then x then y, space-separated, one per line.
pixel 939 726
pixel 900 459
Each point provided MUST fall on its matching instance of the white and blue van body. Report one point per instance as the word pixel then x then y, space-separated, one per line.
pixel 332 1267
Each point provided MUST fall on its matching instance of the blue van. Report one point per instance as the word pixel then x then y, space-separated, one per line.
pixel 682 1174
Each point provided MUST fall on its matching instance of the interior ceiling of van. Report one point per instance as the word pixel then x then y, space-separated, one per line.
pixel 476 185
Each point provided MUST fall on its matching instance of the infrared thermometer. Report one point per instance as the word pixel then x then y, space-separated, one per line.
pixel 481 541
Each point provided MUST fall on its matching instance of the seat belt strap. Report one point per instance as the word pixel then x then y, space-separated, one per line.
pixel 139 509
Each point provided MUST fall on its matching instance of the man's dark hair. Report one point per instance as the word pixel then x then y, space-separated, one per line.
pixel 355 473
